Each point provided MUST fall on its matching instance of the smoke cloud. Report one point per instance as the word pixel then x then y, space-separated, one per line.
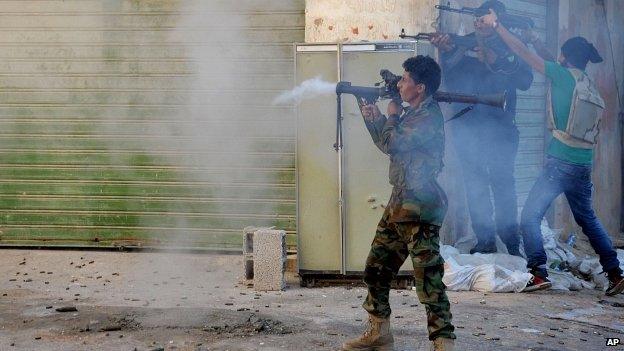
pixel 308 89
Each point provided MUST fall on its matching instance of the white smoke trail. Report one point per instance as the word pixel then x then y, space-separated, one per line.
pixel 308 89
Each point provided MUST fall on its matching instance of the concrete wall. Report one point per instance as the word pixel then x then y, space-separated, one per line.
pixel 587 18
pixel 372 20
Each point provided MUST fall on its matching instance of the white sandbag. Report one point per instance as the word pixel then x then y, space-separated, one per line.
pixel 549 236
pixel 483 272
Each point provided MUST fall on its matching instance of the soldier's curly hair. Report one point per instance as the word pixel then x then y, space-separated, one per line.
pixel 424 69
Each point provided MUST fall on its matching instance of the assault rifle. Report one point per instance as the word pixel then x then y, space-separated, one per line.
pixel 512 21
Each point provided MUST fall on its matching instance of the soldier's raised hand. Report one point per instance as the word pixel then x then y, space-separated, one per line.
pixel 442 41
pixel 394 109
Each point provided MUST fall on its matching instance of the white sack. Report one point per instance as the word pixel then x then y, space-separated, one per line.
pixel 483 272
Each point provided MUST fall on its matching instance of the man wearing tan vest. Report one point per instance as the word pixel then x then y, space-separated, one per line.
pixel 575 109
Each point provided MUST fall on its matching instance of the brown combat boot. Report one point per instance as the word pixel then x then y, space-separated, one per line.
pixel 376 337
pixel 442 344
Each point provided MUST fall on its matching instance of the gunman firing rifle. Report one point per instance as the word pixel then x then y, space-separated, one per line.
pixel 510 21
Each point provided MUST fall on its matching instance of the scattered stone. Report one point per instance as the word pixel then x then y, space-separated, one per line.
pixel 48 307
pixel 37 338
pixel 611 303
pixel 67 309
pixel 111 327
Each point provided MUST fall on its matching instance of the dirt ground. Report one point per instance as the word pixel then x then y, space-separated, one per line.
pixel 184 301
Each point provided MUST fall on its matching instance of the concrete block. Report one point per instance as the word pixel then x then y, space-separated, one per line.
pixel 269 259
pixel 248 234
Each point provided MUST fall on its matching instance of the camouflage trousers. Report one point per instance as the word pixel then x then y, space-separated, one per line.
pixel 390 248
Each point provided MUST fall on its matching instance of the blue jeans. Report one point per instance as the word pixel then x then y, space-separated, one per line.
pixel 575 182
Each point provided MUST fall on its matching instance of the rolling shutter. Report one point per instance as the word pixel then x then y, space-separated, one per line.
pixel 146 122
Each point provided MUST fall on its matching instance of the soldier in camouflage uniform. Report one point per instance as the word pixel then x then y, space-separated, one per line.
pixel 411 222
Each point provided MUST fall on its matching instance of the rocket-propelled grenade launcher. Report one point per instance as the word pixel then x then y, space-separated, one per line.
pixel 388 89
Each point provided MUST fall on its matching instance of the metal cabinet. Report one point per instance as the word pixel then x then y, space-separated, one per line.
pixel 341 194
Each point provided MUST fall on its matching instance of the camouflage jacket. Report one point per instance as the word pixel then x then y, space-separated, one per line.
pixel 415 144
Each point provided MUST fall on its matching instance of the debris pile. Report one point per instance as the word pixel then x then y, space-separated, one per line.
pixel 506 273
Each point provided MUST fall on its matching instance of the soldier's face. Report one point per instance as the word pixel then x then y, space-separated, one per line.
pixel 409 89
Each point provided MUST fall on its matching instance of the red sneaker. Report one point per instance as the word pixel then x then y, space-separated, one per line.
pixel 537 283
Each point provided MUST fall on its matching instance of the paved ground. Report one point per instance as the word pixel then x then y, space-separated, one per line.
pixel 152 301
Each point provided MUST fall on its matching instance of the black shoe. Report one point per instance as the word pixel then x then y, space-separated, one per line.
pixel 616 284
pixel 537 282
pixel 483 248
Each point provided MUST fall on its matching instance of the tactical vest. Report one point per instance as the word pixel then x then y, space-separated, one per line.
pixel 585 114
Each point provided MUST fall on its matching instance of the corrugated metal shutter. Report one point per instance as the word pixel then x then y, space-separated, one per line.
pixel 531 108
pixel 113 131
